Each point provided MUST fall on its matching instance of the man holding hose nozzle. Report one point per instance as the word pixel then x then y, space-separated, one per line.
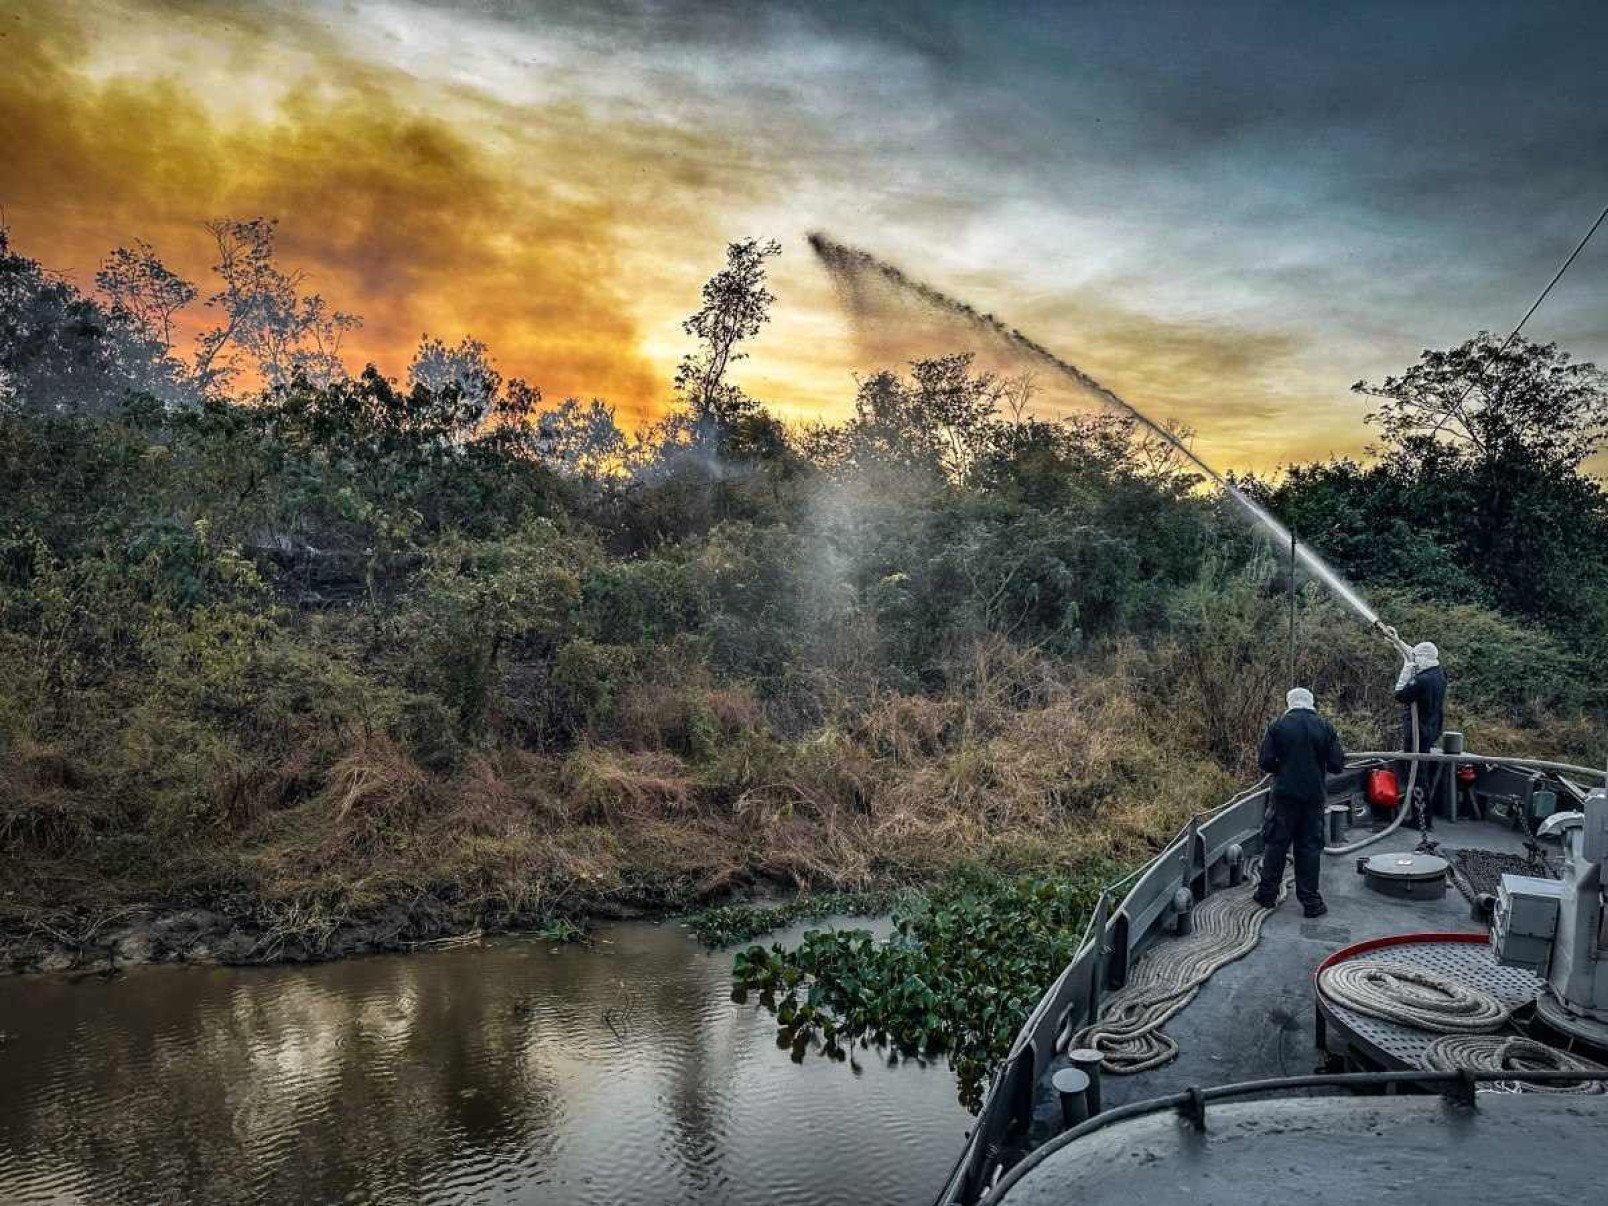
pixel 1422 681
pixel 1300 750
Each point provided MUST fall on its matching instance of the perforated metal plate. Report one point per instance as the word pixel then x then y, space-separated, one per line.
pixel 1468 962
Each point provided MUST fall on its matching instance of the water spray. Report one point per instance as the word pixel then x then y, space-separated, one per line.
pixel 847 264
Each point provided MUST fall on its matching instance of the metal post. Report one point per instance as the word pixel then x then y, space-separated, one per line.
pixel 1451 743
pixel 1072 1086
pixel 1183 912
pixel 1087 1060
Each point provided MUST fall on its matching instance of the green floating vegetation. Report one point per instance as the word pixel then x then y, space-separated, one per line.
pixel 728 924
pixel 560 929
pixel 958 976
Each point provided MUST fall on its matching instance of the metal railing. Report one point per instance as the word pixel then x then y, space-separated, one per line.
pixel 1196 856
pixel 1192 1102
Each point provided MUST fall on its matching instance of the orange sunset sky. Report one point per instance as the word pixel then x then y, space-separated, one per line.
pixel 1229 218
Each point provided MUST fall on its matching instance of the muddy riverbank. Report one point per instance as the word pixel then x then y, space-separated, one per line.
pixel 140 934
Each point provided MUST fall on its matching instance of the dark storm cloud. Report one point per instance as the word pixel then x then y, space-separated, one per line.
pixel 1389 136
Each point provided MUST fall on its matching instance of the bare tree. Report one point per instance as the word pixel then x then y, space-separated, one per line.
pixel 1158 457
pixel 1016 394
pixel 266 320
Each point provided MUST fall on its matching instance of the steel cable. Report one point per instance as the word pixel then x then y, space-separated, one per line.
pixel 1508 1053
pixel 1227 926
pixel 1412 996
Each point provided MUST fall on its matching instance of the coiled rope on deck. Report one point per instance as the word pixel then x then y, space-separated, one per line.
pixel 1227 926
pixel 1509 1053
pixel 1412 996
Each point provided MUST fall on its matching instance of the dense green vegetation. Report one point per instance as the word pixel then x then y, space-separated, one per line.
pixel 727 924
pixel 963 968
pixel 316 651
pixel 1478 494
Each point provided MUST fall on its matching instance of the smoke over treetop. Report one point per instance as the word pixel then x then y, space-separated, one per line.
pixel 396 212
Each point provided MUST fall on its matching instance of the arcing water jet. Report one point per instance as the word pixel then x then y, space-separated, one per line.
pixel 850 267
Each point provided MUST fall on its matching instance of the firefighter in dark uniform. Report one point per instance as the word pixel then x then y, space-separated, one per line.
pixel 1422 681
pixel 1300 751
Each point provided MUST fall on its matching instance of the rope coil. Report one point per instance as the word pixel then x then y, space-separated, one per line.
pixel 1506 1053
pixel 1412 996
pixel 1227 926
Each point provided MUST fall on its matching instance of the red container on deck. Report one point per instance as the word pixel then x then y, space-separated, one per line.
pixel 1380 788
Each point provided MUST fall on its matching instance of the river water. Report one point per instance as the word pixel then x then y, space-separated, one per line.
pixel 620 1072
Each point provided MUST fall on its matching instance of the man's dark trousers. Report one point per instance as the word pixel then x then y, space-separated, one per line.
pixel 1297 825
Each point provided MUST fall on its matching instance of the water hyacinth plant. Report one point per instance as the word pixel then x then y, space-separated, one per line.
pixel 725 925
pixel 958 976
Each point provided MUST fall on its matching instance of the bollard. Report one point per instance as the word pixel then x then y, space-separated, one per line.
pixel 1087 1060
pixel 1184 910
pixel 1337 815
pixel 1073 1088
pixel 1236 865
pixel 1450 743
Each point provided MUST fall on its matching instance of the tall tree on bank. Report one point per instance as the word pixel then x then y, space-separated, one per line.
pixel 145 291
pixel 62 353
pixel 1480 493
pixel 1520 401
pixel 736 304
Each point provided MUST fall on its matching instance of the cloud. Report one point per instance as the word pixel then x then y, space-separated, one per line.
pixel 395 212
pixel 1229 212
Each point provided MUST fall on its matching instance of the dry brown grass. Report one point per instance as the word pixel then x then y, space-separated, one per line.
pixel 373 793
pixel 1036 769
pixel 40 799
pixel 909 729
pixel 1026 764
pixel 611 786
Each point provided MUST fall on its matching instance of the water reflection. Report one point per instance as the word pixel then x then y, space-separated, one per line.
pixel 515 1072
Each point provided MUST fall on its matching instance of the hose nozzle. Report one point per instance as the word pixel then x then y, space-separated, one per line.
pixel 1391 635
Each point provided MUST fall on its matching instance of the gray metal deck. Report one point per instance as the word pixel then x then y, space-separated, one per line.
pixel 1255 1018
pixel 1337 1151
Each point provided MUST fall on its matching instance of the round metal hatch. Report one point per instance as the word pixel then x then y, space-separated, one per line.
pixel 1415 876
